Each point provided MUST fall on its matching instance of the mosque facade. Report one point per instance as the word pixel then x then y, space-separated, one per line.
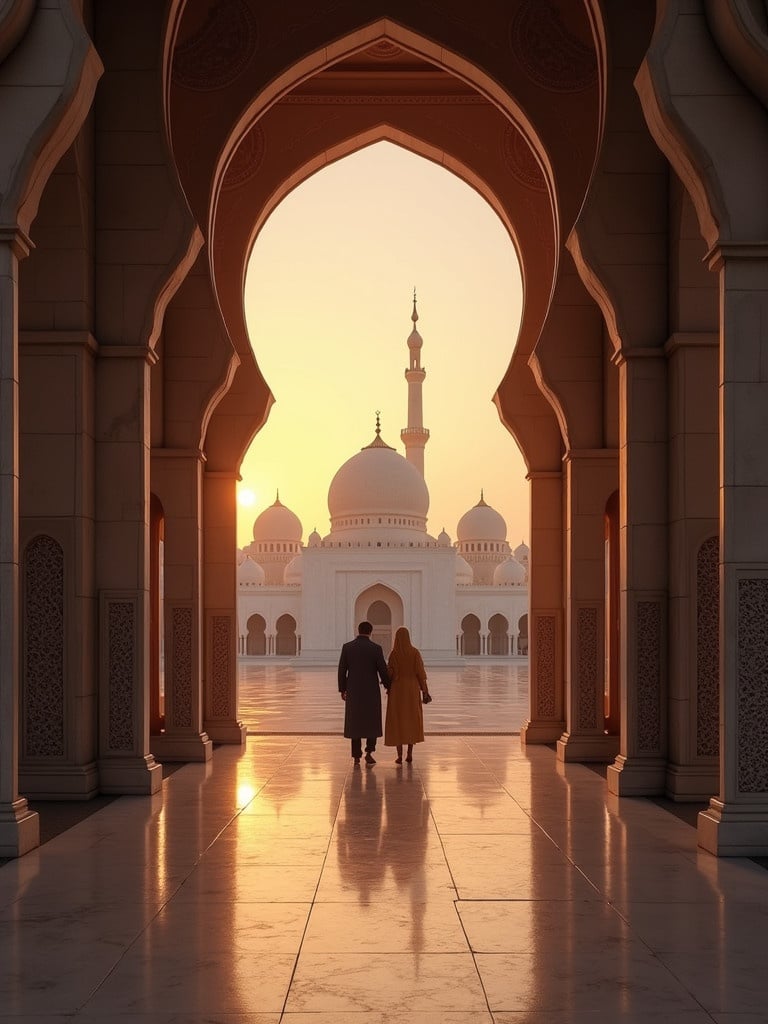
pixel 378 562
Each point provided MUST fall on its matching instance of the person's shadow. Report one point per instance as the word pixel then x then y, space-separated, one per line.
pixel 358 835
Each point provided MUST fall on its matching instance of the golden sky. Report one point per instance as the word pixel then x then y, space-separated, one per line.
pixel 328 301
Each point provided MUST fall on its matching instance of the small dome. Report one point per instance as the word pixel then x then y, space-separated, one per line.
pixel 464 573
pixel 240 556
pixel 443 539
pixel 250 573
pixel 277 523
pixel 522 552
pixel 509 573
pixel 294 570
pixel 315 540
pixel 481 523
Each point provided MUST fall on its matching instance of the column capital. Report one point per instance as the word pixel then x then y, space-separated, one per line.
pixel 194 454
pixel 544 474
pixel 19 241
pixel 624 355
pixel 721 252
pixel 590 455
pixel 129 352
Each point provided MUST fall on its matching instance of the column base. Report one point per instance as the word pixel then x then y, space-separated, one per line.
pixel 736 830
pixel 598 747
pixel 541 732
pixel 67 782
pixel 636 777
pixel 130 776
pixel 168 748
pixel 691 784
pixel 226 732
pixel 19 829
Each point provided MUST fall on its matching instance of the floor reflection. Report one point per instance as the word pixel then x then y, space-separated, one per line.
pixel 480 697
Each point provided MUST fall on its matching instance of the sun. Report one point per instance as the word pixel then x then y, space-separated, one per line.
pixel 246 497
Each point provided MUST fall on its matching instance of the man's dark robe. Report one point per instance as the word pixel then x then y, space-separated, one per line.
pixel 361 669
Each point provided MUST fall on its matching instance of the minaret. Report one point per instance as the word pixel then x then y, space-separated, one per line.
pixel 415 435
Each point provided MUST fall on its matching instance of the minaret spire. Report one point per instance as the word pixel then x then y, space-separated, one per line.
pixel 415 435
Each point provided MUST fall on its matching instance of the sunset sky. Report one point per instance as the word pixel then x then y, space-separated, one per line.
pixel 328 299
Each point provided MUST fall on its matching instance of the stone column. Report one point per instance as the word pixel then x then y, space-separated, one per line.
pixel 590 479
pixel 220 598
pixel 19 827
pixel 640 768
pixel 177 482
pixel 736 822
pixel 694 685
pixel 58 678
pixel 545 616
pixel 122 569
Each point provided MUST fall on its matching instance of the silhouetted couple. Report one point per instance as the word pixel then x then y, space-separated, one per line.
pixel 362 670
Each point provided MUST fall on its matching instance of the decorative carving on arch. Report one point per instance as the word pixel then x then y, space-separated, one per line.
pixel 247 159
pixel 708 648
pixel 520 161
pixel 545 666
pixel 648 675
pixel 217 54
pixel 552 56
pixel 385 49
pixel 181 673
pixel 587 666
pixel 43 684
pixel 752 691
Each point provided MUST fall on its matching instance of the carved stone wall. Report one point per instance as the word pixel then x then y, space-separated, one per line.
pixel 587 672
pixel 648 675
pixel 220 50
pixel 708 648
pixel 549 53
pixel 43 679
pixel 545 666
pixel 181 666
pixel 752 696
pixel 121 669
pixel 221 666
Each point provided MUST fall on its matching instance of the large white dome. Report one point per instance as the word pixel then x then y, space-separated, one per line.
pixel 481 523
pixel 277 523
pixel 378 483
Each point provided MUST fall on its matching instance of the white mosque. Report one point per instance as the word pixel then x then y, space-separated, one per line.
pixel 379 563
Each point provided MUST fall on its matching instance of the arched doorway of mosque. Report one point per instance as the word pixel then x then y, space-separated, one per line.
pixel 383 608
pixel 522 635
pixel 256 640
pixel 470 635
pixel 285 636
pixel 498 635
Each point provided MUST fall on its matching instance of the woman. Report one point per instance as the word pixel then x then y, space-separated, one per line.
pixel 405 722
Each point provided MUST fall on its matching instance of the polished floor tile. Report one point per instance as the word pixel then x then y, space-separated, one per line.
pixel 484 885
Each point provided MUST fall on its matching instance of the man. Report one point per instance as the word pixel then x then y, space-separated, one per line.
pixel 361 669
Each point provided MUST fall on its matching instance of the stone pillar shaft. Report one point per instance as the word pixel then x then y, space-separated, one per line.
pixel 640 768
pixel 692 773
pixel 19 827
pixel 177 482
pixel 736 822
pixel 545 617
pixel 220 708
pixel 122 565
pixel 590 479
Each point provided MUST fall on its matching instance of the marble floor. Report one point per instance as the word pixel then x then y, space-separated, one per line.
pixel 483 884
pixel 488 696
